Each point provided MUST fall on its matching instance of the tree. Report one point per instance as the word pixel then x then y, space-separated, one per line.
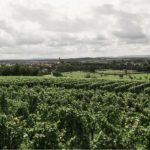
pixel 56 74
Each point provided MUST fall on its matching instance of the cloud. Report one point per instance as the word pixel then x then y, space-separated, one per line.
pixel 65 40
pixel 127 25
pixel 6 40
pixel 69 28
pixel 130 32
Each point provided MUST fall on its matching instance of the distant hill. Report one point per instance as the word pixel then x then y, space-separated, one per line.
pixel 84 59
pixel 135 56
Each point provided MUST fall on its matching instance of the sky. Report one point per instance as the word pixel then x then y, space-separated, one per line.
pixel 32 29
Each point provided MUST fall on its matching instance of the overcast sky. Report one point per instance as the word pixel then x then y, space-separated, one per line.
pixel 74 28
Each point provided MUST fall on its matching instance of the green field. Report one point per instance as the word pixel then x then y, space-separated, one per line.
pixel 105 74
pixel 69 113
pixel 109 75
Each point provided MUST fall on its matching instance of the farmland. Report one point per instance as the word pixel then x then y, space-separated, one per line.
pixel 109 75
pixel 46 112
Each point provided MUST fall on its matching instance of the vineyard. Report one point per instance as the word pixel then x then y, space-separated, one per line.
pixel 70 113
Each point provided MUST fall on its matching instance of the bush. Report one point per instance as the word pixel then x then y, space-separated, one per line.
pixel 56 74
pixel 121 76
pixel 87 75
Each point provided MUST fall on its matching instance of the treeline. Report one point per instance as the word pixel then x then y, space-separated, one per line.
pixel 75 66
pixel 18 70
pixel 91 67
pixel 121 65
pixel 56 69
